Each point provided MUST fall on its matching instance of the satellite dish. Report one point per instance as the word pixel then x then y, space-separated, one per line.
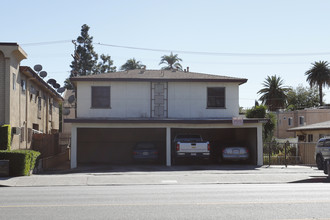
pixel 37 67
pixel 66 111
pixel 51 81
pixel 71 99
pixel 43 74
pixel 61 90
pixel 56 86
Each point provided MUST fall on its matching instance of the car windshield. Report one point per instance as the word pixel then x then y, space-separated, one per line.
pixel 327 143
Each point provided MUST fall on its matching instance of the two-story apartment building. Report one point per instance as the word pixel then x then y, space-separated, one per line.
pixel 27 102
pixel 286 120
pixel 117 110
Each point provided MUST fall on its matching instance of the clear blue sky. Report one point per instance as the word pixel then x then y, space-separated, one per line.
pixel 236 27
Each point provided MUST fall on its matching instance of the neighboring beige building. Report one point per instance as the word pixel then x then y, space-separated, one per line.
pixel 307 137
pixel 27 102
pixel 313 132
pixel 291 119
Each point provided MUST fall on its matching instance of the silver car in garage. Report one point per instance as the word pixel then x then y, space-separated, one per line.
pixel 235 153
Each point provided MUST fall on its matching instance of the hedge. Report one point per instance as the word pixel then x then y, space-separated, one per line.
pixel 5 137
pixel 21 162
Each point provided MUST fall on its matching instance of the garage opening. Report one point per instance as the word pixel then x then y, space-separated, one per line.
pixel 116 145
pixel 220 138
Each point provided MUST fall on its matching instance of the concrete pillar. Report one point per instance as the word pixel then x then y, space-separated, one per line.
pixel 168 146
pixel 260 158
pixel 73 155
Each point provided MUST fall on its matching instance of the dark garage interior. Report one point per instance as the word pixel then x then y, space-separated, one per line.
pixel 115 145
pixel 223 137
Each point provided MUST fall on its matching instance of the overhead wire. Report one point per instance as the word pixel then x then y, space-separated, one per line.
pixel 189 52
pixel 46 43
pixel 217 53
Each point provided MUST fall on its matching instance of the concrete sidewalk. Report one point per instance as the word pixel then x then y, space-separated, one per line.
pixel 123 175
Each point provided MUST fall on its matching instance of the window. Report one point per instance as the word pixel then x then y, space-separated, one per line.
pixel 39 107
pixel 100 96
pixel 216 97
pixel 50 106
pixel 301 120
pixel 290 121
pixel 301 137
pixel 310 138
pixel 14 81
pixel 23 85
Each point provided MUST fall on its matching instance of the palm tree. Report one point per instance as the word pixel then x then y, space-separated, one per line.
pixel 131 64
pixel 273 94
pixel 172 62
pixel 319 75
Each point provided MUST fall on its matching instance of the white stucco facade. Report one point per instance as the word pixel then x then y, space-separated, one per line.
pixel 133 100
pixel 127 99
pixel 166 101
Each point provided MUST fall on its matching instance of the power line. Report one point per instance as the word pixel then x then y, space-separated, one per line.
pixel 46 43
pixel 190 52
pixel 217 53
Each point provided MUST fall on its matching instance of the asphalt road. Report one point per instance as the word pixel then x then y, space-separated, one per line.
pixel 202 201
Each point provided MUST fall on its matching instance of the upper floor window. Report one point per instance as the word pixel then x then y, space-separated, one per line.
pixel 216 97
pixel 290 121
pixel 50 106
pixel 100 96
pixel 301 120
pixel 39 108
pixel 23 85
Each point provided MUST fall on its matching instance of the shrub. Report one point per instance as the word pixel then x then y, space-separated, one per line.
pixel 5 137
pixel 256 112
pixel 21 162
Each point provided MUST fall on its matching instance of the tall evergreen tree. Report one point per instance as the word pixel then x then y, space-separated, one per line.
pixel 85 59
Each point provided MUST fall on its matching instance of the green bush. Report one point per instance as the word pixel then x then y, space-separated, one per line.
pixel 5 137
pixel 256 112
pixel 21 162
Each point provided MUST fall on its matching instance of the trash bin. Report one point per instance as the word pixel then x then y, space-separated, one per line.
pixel 4 167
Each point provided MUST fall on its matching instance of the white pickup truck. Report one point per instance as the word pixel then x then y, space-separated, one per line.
pixel 191 145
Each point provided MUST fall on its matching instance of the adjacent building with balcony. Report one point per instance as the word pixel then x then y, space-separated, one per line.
pixel 27 102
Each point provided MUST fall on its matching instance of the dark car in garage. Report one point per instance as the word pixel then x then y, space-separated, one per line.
pixel 235 153
pixel 145 152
